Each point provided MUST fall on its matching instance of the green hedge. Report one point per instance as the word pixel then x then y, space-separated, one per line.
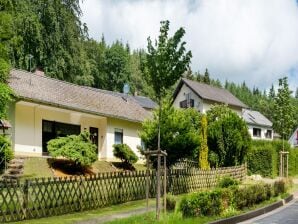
pixel 217 201
pixel 263 158
pixel 293 162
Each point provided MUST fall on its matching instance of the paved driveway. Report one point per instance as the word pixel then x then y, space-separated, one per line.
pixel 285 215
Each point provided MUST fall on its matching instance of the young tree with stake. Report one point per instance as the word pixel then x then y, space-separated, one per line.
pixel 166 61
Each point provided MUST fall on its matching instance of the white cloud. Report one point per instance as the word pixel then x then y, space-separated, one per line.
pixel 240 40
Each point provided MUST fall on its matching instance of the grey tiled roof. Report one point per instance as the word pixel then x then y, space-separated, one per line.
pixel 256 118
pixel 145 102
pixel 211 93
pixel 48 91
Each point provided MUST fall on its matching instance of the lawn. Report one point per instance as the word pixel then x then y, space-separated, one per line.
pixel 36 167
pixel 91 214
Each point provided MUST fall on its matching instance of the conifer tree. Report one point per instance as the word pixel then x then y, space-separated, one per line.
pixel 203 157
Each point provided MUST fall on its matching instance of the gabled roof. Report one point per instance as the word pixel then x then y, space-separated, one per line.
pixel 208 92
pixel 255 118
pixel 49 91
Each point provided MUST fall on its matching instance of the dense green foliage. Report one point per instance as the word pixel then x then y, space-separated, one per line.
pixel 171 202
pixel 203 152
pixel 125 153
pixel 215 202
pixel 293 162
pixel 228 137
pixel 6 153
pixel 179 133
pixel 166 61
pixel 283 116
pixel 53 36
pixel 206 203
pixel 77 148
pixel 6 35
pixel 263 157
pixel 227 181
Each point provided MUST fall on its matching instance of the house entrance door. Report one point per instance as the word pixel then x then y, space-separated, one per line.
pixel 94 137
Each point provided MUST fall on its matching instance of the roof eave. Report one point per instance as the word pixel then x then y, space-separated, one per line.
pixel 27 99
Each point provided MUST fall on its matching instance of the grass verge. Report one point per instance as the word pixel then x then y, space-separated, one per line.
pixel 87 215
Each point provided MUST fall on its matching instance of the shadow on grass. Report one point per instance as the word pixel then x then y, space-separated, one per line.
pixel 67 167
pixel 124 166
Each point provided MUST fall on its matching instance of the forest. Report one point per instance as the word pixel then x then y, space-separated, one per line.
pixel 49 35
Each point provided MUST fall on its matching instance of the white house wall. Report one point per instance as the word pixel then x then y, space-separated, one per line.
pixel 28 126
pixel 182 96
pixel 130 136
pixel 294 139
pixel 263 132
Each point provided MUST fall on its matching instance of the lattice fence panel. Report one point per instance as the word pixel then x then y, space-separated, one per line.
pixel 42 197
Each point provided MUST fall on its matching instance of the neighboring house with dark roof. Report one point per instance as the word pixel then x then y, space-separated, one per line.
pixel 294 139
pixel 202 96
pixel 259 126
pixel 47 108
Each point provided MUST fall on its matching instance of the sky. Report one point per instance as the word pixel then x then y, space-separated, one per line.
pixel 255 41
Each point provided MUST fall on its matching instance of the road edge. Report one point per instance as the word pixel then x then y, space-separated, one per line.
pixel 254 213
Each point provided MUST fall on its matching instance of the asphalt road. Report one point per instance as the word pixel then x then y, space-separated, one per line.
pixel 285 215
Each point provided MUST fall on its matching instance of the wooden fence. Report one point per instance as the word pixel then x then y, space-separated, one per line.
pixel 42 197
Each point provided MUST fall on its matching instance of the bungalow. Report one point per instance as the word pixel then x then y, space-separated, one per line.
pixel 202 97
pixel 294 139
pixel 259 126
pixel 47 108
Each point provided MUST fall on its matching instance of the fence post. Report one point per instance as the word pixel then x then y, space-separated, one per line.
pixel 81 186
pixel 25 198
pixel 120 176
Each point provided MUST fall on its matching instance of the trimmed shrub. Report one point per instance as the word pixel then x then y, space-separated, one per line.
pixel 227 181
pixel 124 153
pixel 279 187
pixel 202 204
pixel 190 205
pixel 171 202
pixel 250 195
pixel 77 148
pixel 6 152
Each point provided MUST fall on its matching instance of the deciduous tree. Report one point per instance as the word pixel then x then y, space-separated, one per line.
pixel 283 115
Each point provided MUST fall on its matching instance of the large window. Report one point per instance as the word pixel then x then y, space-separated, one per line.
pixel 257 132
pixel 53 129
pixel 268 134
pixel 118 136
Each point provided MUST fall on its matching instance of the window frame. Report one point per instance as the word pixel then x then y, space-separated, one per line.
pixel 116 132
pixel 259 130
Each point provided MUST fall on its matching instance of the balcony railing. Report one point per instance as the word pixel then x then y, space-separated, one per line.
pixel 187 103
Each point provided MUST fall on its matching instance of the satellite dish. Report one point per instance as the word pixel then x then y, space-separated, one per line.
pixel 126 88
